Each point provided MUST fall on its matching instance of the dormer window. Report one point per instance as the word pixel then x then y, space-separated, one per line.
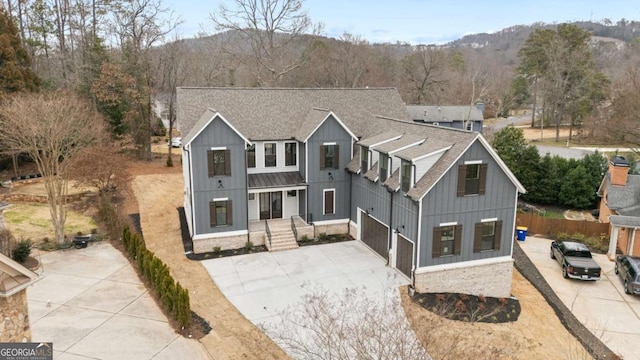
pixel 384 167
pixel 364 159
pixel 405 175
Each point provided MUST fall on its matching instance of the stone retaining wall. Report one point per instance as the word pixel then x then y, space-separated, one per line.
pixel 332 229
pixel 493 279
pixel 14 320
pixel 225 243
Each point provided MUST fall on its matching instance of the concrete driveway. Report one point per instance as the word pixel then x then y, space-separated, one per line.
pixel 602 306
pixel 266 285
pixel 91 305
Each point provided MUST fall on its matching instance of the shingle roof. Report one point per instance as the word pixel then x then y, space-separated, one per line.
pixel 395 145
pixel 276 113
pixel 372 174
pixel 376 139
pixel 393 181
pixel 444 113
pixel 314 118
pixel 623 199
pixel 427 147
pixel 626 221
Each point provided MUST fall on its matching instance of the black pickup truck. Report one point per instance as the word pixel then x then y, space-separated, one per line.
pixel 575 259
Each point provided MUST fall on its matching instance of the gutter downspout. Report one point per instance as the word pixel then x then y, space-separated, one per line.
pixel 390 237
pixel 246 189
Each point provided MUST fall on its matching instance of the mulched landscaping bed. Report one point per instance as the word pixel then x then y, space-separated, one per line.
pixel 326 239
pixel 470 308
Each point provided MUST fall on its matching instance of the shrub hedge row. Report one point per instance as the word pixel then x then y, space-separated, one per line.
pixel 174 297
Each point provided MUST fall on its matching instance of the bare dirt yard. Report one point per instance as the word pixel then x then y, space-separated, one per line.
pixel 157 193
pixel 156 196
pixel 534 134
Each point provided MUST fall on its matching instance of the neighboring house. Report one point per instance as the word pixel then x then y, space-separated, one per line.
pixel 620 207
pixel 265 164
pixel 469 117
pixel 161 108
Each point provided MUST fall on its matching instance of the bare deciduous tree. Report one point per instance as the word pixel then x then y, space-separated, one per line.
pixel 271 31
pixel 99 166
pixel 50 127
pixel 423 71
pixel 353 325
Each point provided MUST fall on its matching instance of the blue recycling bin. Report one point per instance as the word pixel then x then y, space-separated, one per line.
pixel 521 232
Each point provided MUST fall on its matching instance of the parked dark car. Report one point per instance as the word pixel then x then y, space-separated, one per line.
pixel 575 259
pixel 627 268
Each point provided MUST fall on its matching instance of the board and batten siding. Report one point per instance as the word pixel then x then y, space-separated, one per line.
pixel 329 132
pixel 205 189
pixel 442 205
pixel 373 197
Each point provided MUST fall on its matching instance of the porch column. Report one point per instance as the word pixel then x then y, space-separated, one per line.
pixel 613 243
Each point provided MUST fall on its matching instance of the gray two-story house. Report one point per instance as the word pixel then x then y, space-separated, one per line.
pixel 467 117
pixel 269 165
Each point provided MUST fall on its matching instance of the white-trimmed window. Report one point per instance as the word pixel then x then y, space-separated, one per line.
pixel 270 155
pixel 405 175
pixel 487 235
pixel 329 201
pixel 220 212
pixel 447 240
pixel 364 159
pixel 290 153
pixel 384 167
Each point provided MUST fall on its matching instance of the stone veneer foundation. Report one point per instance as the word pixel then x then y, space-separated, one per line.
pixel 14 324
pixel 484 277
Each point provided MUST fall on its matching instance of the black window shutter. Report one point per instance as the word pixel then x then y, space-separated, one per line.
pixel 457 240
pixel 477 238
pixel 498 235
pixel 462 179
pixel 336 156
pixel 227 162
pixel 210 164
pixel 212 213
pixel 322 152
pixel 483 179
pixel 437 239
pixel 229 213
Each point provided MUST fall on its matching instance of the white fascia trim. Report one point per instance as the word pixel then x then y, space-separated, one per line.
pixel 449 223
pixel 385 141
pixel 217 114
pixel 220 234
pixel 220 199
pixel 405 147
pixel 489 219
pixel 263 190
pixel 418 240
pixel 431 154
pixel 214 148
pixel 331 113
pixel 464 264
pixel 332 222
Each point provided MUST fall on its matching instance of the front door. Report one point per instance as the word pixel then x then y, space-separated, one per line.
pixel 271 205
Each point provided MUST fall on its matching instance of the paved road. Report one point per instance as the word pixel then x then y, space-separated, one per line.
pixel 91 304
pixel 602 306
pixel 565 152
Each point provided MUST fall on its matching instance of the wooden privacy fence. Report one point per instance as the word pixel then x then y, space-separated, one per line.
pixel 537 224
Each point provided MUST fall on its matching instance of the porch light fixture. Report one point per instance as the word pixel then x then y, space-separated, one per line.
pixel 220 184
pixel 368 210
pixel 398 229
pixel 330 176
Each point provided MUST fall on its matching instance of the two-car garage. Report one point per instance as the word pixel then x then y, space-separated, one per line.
pixel 375 235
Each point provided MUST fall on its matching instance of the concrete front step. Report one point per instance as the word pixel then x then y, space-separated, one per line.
pixel 282 240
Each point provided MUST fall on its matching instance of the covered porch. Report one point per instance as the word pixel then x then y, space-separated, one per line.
pixel 625 235
pixel 274 196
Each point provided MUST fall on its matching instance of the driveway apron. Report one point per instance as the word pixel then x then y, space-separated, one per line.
pixel 602 306
pixel 91 304
pixel 264 286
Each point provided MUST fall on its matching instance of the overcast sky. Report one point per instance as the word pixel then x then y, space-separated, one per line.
pixel 423 21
